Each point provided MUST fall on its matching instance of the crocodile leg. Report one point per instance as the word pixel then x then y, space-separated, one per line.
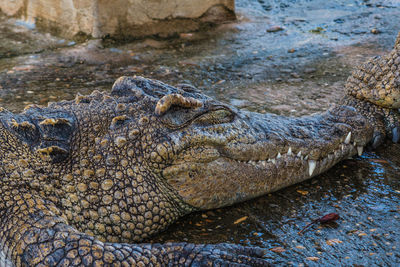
pixel 34 232
pixel 384 121
pixel 374 90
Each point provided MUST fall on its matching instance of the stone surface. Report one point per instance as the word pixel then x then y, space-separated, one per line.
pixel 119 18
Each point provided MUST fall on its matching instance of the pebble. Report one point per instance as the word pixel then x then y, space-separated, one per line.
pixel 375 31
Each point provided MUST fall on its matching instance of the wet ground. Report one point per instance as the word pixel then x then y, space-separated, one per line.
pixel 287 57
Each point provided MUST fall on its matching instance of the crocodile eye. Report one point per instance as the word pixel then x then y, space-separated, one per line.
pixel 217 116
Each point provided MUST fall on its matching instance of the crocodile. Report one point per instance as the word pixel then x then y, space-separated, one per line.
pixel 84 182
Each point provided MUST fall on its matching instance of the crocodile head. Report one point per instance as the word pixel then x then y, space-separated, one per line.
pixel 214 155
pixel 124 165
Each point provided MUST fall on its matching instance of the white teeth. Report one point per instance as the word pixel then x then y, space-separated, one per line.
pixel 306 157
pixel 289 152
pixel 299 154
pixel 348 138
pixel 264 163
pixel 273 161
pixel 311 166
pixel 269 160
pixel 342 146
pixel 354 144
pixel 279 155
pixel 360 150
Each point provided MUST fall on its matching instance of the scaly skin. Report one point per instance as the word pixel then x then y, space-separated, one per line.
pixel 374 90
pixel 83 181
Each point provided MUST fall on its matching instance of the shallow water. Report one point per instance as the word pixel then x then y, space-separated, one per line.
pixel 299 70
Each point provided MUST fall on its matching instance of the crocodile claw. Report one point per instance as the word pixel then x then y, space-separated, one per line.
pixel 396 134
pixel 377 140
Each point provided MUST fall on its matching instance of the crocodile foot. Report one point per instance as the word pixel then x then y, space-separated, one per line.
pixel 385 121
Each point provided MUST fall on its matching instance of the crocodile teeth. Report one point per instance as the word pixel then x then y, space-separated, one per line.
pixel 279 155
pixel 348 138
pixel 342 146
pixel 299 154
pixel 311 166
pixel 273 161
pixel 360 150
pixel 289 152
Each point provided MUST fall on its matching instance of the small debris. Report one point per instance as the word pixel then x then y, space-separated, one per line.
pixel 23 68
pixel 324 219
pixel 291 50
pixel 329 218
pixel 188 63
pixel 317 30
pixel 240 220
pixel 294 75
pixel 186 35
pixel 312 258
pixel 278 249
pixel 375 31
pixel 300 247
pixel 275 28
pixel 303 192
pixel 332 242
pixel 379 161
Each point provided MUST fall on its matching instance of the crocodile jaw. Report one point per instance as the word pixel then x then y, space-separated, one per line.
pixel 232 172
pixel 225 181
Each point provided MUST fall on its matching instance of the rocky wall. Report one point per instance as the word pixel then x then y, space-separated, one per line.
pixel 119 18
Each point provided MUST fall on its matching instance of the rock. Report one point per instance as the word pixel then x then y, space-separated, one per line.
pixel 119 18
pixel 375 31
